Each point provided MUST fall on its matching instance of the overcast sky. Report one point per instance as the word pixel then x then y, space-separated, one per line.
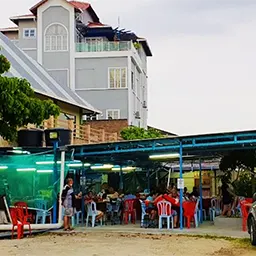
pixel 202 76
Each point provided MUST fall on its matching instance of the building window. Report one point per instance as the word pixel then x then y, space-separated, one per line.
pixel 56 38
pixel 113 114
pixel 91 117
pixel 117 78
pixel 29 33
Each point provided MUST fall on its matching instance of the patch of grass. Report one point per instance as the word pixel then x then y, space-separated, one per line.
pixel 241 242
pixel 245 243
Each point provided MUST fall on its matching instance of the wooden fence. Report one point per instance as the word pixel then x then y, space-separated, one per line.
pixel 82 133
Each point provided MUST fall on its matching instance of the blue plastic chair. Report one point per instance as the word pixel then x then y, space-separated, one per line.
pixel 199 212
pixel 42 213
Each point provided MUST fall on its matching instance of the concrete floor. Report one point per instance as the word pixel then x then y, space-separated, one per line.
pixel 207 228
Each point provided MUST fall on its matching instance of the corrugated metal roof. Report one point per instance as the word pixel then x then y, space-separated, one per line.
pixel 25 67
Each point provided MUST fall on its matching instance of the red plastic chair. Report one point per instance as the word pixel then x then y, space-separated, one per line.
pixel 189 212
pixel 24 207
pixel 16 223
pixel 23 215
pixel 129 210
pixel 245 212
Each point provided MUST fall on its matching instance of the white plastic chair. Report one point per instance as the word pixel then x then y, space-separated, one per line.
pixel 215 209
pixel 76 218
pixel 143 212
pixel 92 212
pixel 165 208
pixel 42 213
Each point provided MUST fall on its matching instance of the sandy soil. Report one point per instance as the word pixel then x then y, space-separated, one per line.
pixel 114 244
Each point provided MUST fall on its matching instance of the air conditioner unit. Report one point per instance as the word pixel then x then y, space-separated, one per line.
pixel 144 105
pixel 137 115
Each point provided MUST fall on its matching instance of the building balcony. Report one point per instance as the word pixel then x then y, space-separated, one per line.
pixel 104 46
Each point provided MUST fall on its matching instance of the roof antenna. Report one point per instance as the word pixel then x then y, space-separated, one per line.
pixel 118 21
pixel 118 30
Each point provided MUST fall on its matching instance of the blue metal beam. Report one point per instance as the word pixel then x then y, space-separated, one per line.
pixel 174 148
pixel 193 141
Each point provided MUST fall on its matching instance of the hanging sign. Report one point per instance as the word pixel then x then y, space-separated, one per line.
pixel 180 184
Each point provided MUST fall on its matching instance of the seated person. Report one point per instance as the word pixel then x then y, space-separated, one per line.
pixel 195 192
pixel 186 194
pixel 101 193
pixel 91 198
pixel 151 209
pixel 129 196
pixel 120 193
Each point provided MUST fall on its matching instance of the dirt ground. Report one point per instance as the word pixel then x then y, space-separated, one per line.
pixel 116 244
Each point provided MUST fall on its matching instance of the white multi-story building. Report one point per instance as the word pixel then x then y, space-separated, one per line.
pixel 107 67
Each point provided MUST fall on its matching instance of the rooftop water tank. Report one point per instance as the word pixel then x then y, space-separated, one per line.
pixel 30 138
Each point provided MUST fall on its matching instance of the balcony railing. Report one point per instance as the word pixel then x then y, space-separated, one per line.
pixel 103 46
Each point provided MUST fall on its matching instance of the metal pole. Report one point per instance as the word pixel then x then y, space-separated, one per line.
pixel 157 181
pixel 121 183
pixel 148 176
pixel 215 183
pixel 62 176
pixel 181 190
pixel 55 178
pixel 83 190
pixel 169 178
pixel 201 191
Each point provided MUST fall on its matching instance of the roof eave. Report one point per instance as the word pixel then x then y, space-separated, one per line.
pixel 16 19
pixel 146 47
pixel 33 9
pixel 93 14
pixel 3 30
pixel 84 108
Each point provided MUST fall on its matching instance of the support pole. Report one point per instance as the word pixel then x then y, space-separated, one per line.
pixel 83 191
pixel 200 191
pixel 157 180
pixel 62 176
pixel 121 183
pixel 148 177
pixel 169 178
pixel 181 190
pixel 55 178
pixel 215 183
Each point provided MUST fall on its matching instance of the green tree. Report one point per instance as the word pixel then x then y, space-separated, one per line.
pixel 136 133
pixel 18 104
pixel 243 163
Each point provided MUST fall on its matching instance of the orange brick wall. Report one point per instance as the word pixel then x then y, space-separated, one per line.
pixel 110 126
